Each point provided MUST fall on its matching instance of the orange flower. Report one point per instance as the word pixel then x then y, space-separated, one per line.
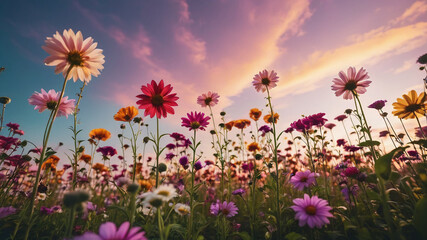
pixel 268 118
pixel 51 163
pixel 99 167
pixel 242 123
pixel 86 158
pixel 252 147
pixel 145 184
pixel 229 125
pixel 100 134
pixel 255 114
pixel 126 114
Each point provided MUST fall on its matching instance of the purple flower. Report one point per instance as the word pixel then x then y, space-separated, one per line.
pixel 171 146
pixel 6 211
pixel 239 191
pixel 289 130
pixel 177 136
pixel 420 133
pixel 107 151
pixel 264 129
pixel 169 156
pixel 12 126
pixel 351 172
pixel 185 143
pixel 183 161
pixel 198 165
pixel 248 166
pixel 303 179
pixel 340 118
pixel 228 209
pixel 384 133
pixel 195 120
pixel 90 206
pixel 109 231
pixel 313 211
pixel 378 104
pixel 301 125
pixel 317 119
pixel 341 142
pixel 352 148
pixel 346 193
pixel 329 125
pixel 48 211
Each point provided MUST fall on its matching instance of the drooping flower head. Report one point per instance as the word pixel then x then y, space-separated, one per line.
pixel 70 50
pixel 303 179
pixel 352 83
pixel 264 80
pixel 313 211
pixel 109 231
pixel 379 104
pixel 412 105
pixel 157 99
pixel 195 120
pixel 126 114
pixel 228 209
pixel 100 134
pixel 208 99
pixel 255 114
pixel 48 100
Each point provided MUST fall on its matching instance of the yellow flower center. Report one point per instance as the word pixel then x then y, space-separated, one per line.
pixel 75 58
pixel 183 210
pixel 157 100
pixel 310 210
pixel 195 125
pixel 164 193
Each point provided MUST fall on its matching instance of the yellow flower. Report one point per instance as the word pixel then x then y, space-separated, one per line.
pixel 100 134
pixel 126 114
pixel 411 106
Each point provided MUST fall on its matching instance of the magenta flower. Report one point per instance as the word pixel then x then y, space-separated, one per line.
pixel 48 100
pixel 303 179
pixel 107 151
pixel 6 211
pixel 195 120
pixel 329 125
pixel 340 118
pixel 313 211
pixel 157 99
pixel 421 132
pixel 228 209
pixel 183 161
pixel 264 80
pixel 384 133
pixel 208 99
pixel 351 172
pixel 177 136
pixel 12 126
pixel 239 191
pixel 109 231
pixel 264 129
pixel 317 119
pixel 352 83
pixel 301 125
pixel 378 104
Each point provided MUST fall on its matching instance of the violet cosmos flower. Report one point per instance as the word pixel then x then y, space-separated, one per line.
pixel 171 146
pixel 317 119
pixel 169 156
pixel 6 211
pixel 313 211
pixel 195 120
pixel 183 161
pixel 198 165
pixel 346 193
pixel 239 191
pixel 107 151
pixel 208 99
pixel 341 142
pixel 177 136
pixel 303 179
pixel 264 129
pixel 301 125
pixel 340 118
pixel 378 104
pixel 352 83
pixel 48 100
pixel 289 130
pixel 420 132
pixel 228 209
pixel 109 231
pixel 329 125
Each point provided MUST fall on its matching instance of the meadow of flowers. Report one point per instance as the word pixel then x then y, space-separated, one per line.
pixel 294 183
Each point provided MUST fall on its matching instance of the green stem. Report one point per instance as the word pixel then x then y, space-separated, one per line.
pixel 76 144
pixel 157 152
pixel 2 116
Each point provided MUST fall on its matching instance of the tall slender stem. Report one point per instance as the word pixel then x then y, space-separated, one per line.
pixel 157 152
pixel 76 143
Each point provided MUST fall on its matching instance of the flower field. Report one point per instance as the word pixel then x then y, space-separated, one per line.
pixel 294 183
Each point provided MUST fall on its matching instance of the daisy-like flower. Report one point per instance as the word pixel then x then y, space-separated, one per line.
pixel 182 209
pixel 195 120
pixel 340 118
pixel 48 100
pixel 165 192
pixel 329 125
pixel 157 99
pixel 229 125
pixel 269 119
pixel 208 99
pixel 152 200
pixel 241 123
pixel 264 80
pixel 352 83
pixel 303 179
pixel 379 104
pixel 109 231
pixel 100 134
pixel 126 114
pixel 107 151
pixel 255 114
pixel 253 147
pixel 313 211
pixel 410 106
pixel 70 50
pixel 228 209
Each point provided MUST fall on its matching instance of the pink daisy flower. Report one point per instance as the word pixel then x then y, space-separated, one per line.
pixel 351 83
pixel 313 211
pixel 70 50
pixel 208 99
pixel 303 179
pixel 48 100
pixel 109 231
pixel 228 209
pixel 264 80
pixel 157 99
pixel 195 120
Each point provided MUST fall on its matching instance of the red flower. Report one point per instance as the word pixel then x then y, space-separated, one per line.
pixel 157 99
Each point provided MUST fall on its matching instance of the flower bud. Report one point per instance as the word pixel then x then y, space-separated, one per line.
pixel 5 100
pixel 133 188
pixel 162 167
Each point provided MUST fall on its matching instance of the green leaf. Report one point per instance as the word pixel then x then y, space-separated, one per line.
pixel 369 143
pixel 422 142
pixel 420 216
pixel 383 163
pixel 294 236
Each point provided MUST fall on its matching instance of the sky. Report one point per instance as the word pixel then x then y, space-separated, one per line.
pixel 200 46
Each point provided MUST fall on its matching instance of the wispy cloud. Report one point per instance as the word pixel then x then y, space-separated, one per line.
pixel 416 10
pixel 405 66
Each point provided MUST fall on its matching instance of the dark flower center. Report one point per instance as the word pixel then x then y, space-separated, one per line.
pixel 157 100
pixel 412 107
pixel 195 125
pixel 75 58
pixel 310 210
pixel 303 179
pixel 208 100
pixel 350 85
pixel 127 118
pixel 156 202
pixel 51 105
pixel 225 211
pixel 265 81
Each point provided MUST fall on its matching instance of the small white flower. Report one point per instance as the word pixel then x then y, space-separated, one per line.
pixel 182 209
pixel 166 192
